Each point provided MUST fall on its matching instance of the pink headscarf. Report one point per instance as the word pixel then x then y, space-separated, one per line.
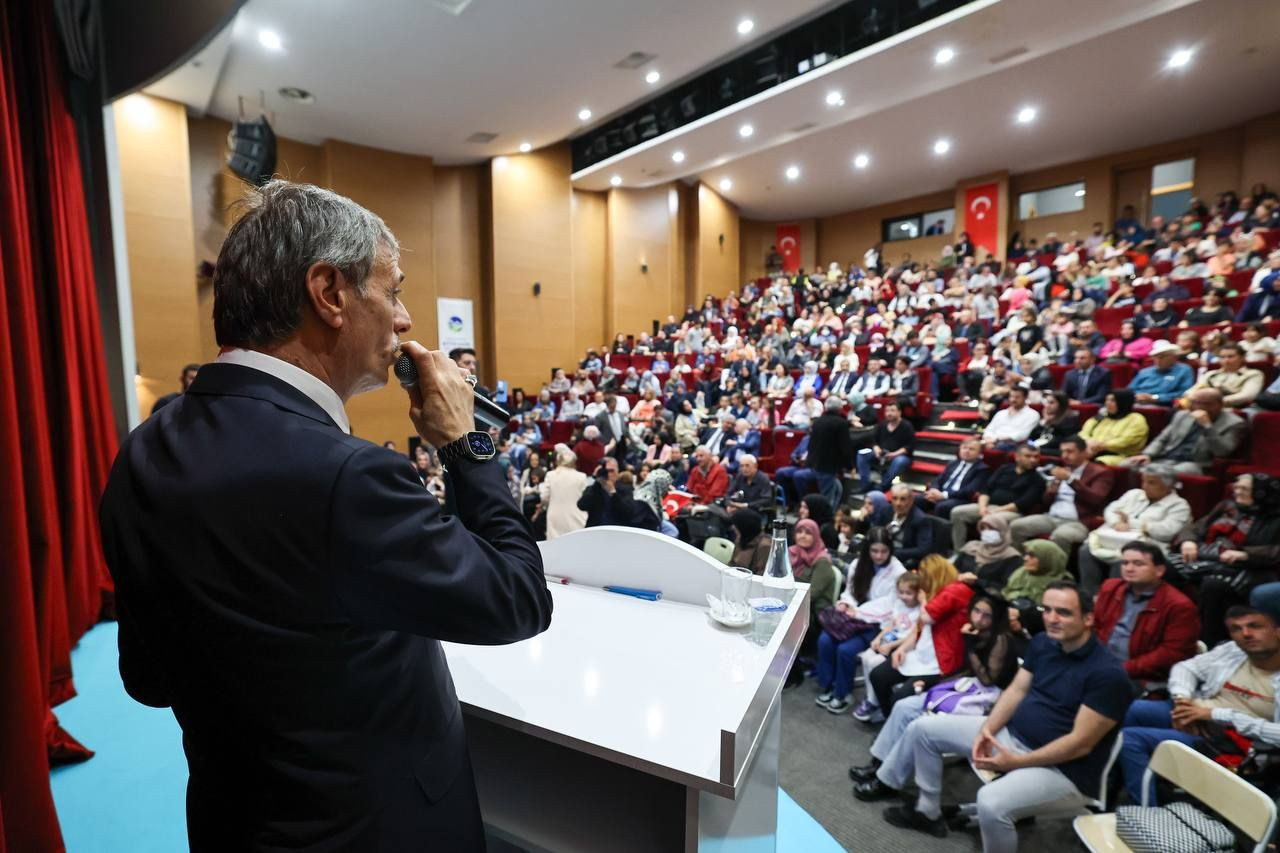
pixel 802 559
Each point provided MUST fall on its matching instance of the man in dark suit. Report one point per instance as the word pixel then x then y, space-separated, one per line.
pixel 967 327
pixel 959 483
pixel 743 441
pixel 912 533
pixel 830 450
pixel 613 427
pixel 284 586
pixel 1087 382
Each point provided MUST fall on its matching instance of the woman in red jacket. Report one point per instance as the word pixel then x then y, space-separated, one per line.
pixel 935 649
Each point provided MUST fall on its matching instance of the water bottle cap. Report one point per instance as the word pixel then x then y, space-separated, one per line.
pixel 779 524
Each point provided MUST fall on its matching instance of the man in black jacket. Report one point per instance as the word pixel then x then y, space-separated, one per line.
pixel 597 499
pixel 1014 490
pixel 749 488
pixel 285 586
pixel 830 450
pixel 906 522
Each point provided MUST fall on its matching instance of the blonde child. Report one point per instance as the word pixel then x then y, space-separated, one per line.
pixel 895 630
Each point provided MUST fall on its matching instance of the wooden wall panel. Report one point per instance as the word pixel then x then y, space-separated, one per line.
pixel 457 241
pixel 718 256
pixel 399 188
pixel 531 226
pixel 590 271
pixel 646 267
pixel 160 239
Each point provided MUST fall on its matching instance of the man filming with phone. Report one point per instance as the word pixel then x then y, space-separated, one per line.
pixel 284 586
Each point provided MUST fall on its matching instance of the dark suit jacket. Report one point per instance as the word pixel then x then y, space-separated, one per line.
pixel 607 434
pixel 974 481
pixel 1094 391
pixel 917 533
pixel 284 587
pixel 830 444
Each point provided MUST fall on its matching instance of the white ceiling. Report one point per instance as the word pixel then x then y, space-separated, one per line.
pixel 1098 83
pixel 408 76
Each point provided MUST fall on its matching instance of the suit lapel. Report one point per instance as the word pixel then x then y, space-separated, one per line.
pixel 234 380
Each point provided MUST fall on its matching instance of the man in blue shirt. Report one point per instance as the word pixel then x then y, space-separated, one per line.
pixel 1164 382
pixel 1048 736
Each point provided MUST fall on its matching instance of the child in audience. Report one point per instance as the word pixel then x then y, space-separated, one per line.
pixel 895 630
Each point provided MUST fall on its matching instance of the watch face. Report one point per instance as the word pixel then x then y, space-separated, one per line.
pixel 480 443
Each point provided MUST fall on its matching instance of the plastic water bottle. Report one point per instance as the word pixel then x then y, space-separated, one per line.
pixel 777 571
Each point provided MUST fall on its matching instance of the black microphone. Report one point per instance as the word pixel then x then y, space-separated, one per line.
pixel 487 413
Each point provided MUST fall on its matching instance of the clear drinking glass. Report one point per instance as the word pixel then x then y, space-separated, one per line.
pixel 735 588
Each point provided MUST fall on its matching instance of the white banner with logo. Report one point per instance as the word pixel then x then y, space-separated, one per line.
pixel 456 324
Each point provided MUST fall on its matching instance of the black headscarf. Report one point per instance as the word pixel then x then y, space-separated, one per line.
pixel 1266 494
pixel 819 508
pixel 1124 402
pixel 749 523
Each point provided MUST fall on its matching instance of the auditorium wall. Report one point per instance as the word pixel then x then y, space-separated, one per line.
pixel 755 237
pixel 646 264
pixel 718 258
pixel 155 173
pixel 590 236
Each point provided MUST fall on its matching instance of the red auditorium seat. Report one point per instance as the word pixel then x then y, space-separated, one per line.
pixel 619 361
pixel 785 441
pixel 1108 320
pixel 1264 439
pixel 1203 493
pixel 560 433
pixel 1121 373
pixel 1158 418
pixel 641 362
pixel 1163 267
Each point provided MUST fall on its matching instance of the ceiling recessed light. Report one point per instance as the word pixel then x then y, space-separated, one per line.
pixel 725 185
pixel 293 93
pixel 270 39
pixel 746 130
pixel 793 172
pixel 835 99
pixel 861 161
pixel 942 146
pixel 525 147
pixel 1079 193
pixel 943 56
pixel 584 114
pixel 745 26
pixel 1180 57
pixel 616 181
pixel 1026 115
pixel 652 77
pixel 677 156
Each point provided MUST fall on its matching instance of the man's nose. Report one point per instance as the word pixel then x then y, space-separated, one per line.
pixel 403 322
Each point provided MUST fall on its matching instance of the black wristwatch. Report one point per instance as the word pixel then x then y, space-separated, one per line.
pixel 475 446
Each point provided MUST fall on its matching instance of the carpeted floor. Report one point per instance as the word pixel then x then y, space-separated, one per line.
pixel 817 749
pixel 130 798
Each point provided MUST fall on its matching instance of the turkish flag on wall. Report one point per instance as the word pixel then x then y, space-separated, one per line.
pixel 788 243
pixel 982 216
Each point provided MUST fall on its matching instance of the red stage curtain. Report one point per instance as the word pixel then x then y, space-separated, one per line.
pixel 57 438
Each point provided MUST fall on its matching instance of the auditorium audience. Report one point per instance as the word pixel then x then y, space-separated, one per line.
pixel 1057 421
pixel 1232 549
pixel 1230 687
pixel 867 600
pixel 1012 425
pixel 707 478
pixel 1015 489
pixel 1145 622
pixel 1238 384
pixel 1166 380
pixel 560 491
pixel 1048 736
pixel 1154 513
pixel 892 444
pixel 1195 437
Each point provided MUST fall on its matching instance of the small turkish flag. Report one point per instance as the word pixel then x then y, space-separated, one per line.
pixel 676 501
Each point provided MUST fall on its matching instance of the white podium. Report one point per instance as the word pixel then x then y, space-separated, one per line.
pixel 630 725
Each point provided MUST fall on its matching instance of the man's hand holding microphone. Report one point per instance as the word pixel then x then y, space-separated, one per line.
pixel 441 401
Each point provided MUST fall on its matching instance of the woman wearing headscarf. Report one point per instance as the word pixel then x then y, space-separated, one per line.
pixel 811 564
pixel 1043 563
pixel 1232 550
pixel 1130 345
pixel 814 506
pixel 809 379
pixel 650 495
pixel 1117 431
pixel 751 550
pixel 987 562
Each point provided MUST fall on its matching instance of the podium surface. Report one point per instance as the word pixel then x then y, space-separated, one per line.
pixel 629 724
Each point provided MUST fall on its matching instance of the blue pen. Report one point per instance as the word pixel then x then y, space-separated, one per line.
pixel 646 594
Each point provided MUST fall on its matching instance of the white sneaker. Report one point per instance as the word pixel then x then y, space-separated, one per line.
pixel 823 698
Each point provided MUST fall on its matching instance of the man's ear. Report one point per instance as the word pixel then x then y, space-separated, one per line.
pixel 327 293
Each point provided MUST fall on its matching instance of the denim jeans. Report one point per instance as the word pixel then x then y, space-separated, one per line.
pixel 830 487
pixel 892 468
pixel 1146 724
pixel 837 662
pixel 796 482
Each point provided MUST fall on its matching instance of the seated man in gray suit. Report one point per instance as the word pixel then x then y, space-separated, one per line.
pixel 1195 437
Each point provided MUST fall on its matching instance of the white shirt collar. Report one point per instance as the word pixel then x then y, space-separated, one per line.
pixel 318 392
